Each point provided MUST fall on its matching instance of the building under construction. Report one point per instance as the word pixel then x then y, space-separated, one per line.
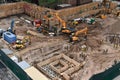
pixel 73 43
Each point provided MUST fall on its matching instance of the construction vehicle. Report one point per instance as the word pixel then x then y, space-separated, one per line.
pixel 105 9
pixel 77 21
pixel 64 28
pixel 18 45
pixel 75 36
pixel 102 16
pixel 21 44
pixel 90 20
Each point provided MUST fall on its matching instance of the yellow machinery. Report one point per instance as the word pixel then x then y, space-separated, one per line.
pixel 103 16
pixel 21 44
pixel 76 34
pixel 64 27
pixel 105 9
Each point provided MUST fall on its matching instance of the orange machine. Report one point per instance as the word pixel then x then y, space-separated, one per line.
pixel 64 27
pixel 76 34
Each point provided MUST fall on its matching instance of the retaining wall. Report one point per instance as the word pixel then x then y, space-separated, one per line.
pixel 38 11
pixel 11 9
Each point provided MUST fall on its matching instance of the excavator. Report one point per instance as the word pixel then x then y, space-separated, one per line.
pixel 21 44
pixel 51 30
pixel 74 36
pixel 64 28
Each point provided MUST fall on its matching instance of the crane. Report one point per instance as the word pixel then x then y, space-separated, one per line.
pixel 74 37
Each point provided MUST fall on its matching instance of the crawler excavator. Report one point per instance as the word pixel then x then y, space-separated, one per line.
pixel 21 44
pixel 74 37
pixel 64 28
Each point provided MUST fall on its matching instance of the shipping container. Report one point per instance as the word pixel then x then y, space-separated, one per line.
pixel 9 37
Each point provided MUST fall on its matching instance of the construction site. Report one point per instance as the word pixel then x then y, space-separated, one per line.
pixel 68 44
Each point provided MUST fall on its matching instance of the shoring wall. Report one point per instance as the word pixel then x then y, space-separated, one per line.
pixel 34 10
pixel 78 10
pixel 11 9
pixel 38 11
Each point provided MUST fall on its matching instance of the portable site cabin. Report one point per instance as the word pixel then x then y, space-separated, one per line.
pixel 9 37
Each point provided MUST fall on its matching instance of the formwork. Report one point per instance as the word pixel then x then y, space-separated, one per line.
pixel 59 67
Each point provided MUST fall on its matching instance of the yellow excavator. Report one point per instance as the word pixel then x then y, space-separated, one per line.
pixel 74 37
pixel 64 27
pixel 21 44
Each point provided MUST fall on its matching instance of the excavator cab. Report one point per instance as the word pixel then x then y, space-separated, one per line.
pixel 74 37
pixel 67 30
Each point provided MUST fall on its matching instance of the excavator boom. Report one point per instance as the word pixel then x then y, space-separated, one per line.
pixel 62 21
pixel 84 31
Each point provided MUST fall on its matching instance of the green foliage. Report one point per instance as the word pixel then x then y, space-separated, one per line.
pixel 27 0
pixel 48 3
